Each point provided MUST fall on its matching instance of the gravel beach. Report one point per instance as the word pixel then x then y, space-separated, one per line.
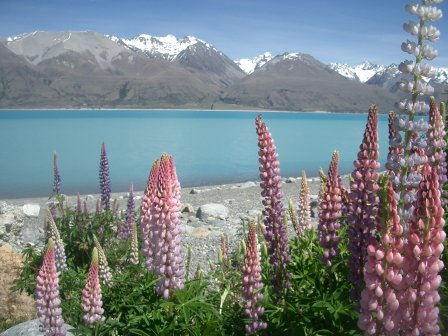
pixel 208 213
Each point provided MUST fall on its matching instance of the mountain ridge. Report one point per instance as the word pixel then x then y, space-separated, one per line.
pixel 89 69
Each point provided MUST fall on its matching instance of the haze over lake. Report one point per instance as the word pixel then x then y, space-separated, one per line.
pixel 212 147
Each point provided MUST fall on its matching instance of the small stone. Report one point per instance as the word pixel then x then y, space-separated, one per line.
pixel 31 210
pixel 187 207
pixel 200 233
pixel 212 210
pixel 248 184
pixel 194 191
pixel 229 201
pixel 2 208
pixel 8 227
pixel 290 180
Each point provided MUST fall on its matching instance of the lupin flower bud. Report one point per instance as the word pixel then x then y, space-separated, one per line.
pixel 105 274
pixel 304 211
pixel 380 313
pixel 84 207
pixel 161 227
pixel 47 295
pixel 91 294
pixel 126 227
pixel 330 213
pixel 104 179
pixel 56 176
pixel 252 283
pixel 363 207
pixel 224 249
pixel 293 217
pixel 61 261
pixel 134 244
pixel 98 206
pixel 422 263
pixel 273 213
pixel 437 144
pixel 78 204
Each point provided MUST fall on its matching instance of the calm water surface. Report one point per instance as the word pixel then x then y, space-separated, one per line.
pixel 208 147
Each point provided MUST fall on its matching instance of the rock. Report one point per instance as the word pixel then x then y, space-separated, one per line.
pixel 187 207
pixel 290 180
pixel 212 210
pixel 200 233
pixel 2 208
pixel 248 184
pixel 194 191
pixel 229 201
pixel 30 231
pixel 29 328
pixel 31 210
pixel 314 204
pixel 8 227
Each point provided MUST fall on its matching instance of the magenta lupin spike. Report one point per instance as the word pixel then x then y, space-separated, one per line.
pixel 47 295
pixel 437 144
pixel 330 213
pixel 273 213
pixel 104 179
pixel 252 283
pixel 92 303
pixel 380 312
pixel 161 227
pixel 423 249
pixel 364 203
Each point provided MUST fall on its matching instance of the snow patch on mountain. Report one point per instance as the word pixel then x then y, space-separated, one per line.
pixel 249 65
pixel 362 72
pixel 167 47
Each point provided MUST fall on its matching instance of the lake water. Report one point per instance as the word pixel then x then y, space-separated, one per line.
pixel 208 147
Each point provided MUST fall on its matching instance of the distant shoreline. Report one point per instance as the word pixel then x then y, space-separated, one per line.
pixel 177 110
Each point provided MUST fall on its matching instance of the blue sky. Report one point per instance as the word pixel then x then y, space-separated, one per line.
pixel 345 31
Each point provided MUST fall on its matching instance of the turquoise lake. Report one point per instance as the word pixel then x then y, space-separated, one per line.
pixel 208 147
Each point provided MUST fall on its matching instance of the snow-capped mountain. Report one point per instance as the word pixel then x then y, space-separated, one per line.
pixel 249 65
pixel 362 72
pixel 166 47
pixel 371 73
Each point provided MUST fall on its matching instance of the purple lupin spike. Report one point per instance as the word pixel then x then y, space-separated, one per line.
pixel 56 176
pixel 104 179
pixel 126 227
pixel 364 203
pixel 273 213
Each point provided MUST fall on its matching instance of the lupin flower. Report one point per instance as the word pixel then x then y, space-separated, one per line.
pixel 252 283
pixel 104 179
pixel 84 207
pixel 436 144
pixel 126 227
pixel 224 249
pixel 134 243
pixel 423 248
pixel 56 176
pixel 273 213
pixel 293 218
pixel 61 261
pixel 364 203
pixel 145 212
pixel 78 204
pixel 380 299
pixel 161 227
pixel 408 163
pixel 98 206
pixel 395 153
pixel 330 213
pixel 92 303
pixel 47 295
pixel 105 274
pixel 304 211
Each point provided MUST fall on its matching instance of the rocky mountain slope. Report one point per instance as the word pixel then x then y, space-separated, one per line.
pixel 88 69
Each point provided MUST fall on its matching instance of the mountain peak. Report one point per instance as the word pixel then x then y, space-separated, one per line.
pixel 167 47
